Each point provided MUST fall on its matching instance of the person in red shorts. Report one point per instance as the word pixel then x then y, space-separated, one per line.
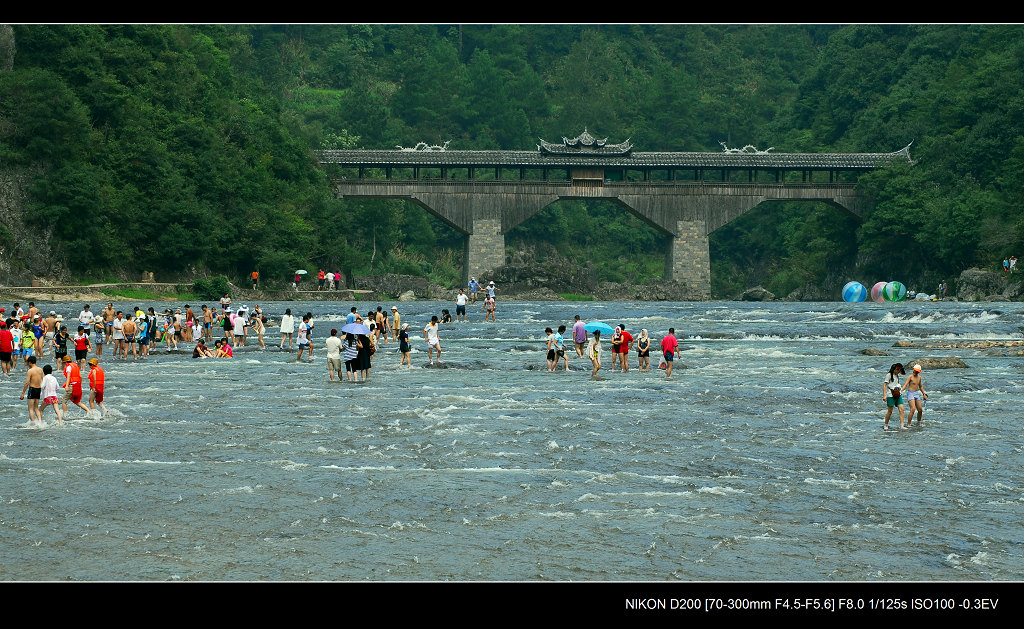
pixel 97 377
pixel 623 349
pixel 72 385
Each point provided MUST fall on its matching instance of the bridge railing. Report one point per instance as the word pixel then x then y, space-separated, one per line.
pixel 462 183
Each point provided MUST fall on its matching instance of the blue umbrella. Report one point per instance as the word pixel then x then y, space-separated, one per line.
pixel 599 326
pixel 355 328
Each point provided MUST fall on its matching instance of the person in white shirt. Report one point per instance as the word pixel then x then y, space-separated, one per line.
pixel 333 345
pixel 239 323
pixel 460 305
pixel 433 342
pixel 49 394
pixel 287 327
pixel 85 318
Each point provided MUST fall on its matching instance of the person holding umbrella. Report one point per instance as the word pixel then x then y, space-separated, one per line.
pixel 355 338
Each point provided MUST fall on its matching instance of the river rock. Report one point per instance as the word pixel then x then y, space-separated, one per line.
pixel 941 362
pixel 393 284
pixel 757 293
pixel 906 344
pixel 534 266
pixel 871 351
pixel 407 296
pixel 977 284
pixel 1014 291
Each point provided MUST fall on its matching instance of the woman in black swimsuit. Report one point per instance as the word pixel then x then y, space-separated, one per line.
pixel 643 351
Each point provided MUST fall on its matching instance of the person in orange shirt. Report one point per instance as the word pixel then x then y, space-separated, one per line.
pixel 73 385
pixel 96 381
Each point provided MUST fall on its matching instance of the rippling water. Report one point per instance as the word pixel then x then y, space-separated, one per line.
pixel 763 459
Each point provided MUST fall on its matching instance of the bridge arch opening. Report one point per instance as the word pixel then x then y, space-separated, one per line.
pixel 619 244
pixel 380 236
pixel 783 246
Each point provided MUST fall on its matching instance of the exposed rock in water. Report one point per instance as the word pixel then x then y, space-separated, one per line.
pixel 977 284
pixel 906 344
pixel 811 292
pixel 394 284
pixel 871 351
pixel 539 272
pixel 407 296
pixel 660 291
pixel 540 265
pixel 942 362
pixel 757 293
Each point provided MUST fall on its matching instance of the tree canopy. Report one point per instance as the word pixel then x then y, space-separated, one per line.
pixel 189 149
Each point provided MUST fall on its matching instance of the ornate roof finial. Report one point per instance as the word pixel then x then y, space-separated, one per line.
pixel 585 144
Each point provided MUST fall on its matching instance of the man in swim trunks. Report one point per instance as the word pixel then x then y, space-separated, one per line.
pixel 129 329
pixel 49 327
pixel 34 388
pixel 916 396
pixel 108 320
pixel 208 323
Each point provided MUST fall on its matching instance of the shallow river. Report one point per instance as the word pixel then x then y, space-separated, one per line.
pixel 762 459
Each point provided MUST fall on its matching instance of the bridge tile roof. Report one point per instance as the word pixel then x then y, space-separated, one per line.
pixel 638 160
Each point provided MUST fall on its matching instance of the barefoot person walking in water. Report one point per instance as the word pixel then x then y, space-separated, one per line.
pixel 594 352
pixel 433 342
pixel 670 350
pixel 915 390
pixel 892 394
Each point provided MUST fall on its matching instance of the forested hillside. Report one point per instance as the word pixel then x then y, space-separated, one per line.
pixel 188 150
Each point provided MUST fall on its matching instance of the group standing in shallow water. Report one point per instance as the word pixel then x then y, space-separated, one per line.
pixel 30 335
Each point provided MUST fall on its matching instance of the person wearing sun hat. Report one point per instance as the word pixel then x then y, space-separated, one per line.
pixel 916 396
pixel 96 384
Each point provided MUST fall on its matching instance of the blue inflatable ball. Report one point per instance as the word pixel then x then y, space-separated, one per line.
pixel 854 291
pixel 894 291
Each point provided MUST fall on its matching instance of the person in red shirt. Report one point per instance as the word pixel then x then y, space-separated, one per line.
pixel 321 276
pixel 670 348
pixel 81 347
pixel 6 347
pixel 73 385
pixel 623 349
pixel 96 382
